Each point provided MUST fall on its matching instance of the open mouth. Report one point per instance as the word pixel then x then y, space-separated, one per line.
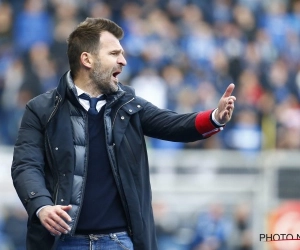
pixel 115 74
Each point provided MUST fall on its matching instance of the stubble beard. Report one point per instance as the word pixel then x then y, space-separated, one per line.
pixel 102 79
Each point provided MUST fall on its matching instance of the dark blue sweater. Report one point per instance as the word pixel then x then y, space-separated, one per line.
pixel 102 211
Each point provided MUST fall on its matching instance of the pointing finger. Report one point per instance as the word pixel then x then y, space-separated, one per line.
pixel 229 90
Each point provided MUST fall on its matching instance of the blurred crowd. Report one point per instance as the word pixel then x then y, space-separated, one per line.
pixel 181 55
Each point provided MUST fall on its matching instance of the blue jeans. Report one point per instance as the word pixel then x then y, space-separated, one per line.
pixel 114 241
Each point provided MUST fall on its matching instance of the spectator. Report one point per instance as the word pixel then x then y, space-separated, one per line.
pixel 240 237
pixel 33 24
pixel 212 230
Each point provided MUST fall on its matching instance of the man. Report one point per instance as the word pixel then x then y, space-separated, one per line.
pixel 80 170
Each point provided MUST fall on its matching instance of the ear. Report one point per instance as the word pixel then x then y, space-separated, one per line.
pixel 86 59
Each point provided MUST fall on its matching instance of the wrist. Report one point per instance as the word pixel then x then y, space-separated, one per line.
pixel 213 117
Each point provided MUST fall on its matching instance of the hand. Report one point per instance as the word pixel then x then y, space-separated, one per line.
pixel 54 218
pixel 226 105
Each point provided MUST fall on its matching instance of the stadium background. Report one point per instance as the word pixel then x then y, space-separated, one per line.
pixel 217 194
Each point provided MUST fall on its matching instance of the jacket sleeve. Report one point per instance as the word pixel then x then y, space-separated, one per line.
pixel 168 125
pixel 28 164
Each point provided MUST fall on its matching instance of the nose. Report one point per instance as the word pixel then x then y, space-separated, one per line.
pixel 122 60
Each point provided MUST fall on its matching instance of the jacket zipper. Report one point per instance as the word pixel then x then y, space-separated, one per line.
pixel 50 117
pixel 55 108
pixel 118 181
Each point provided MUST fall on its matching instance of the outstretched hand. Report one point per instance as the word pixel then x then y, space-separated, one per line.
pixel 226 106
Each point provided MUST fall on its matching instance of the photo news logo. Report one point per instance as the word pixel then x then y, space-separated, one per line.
pixel 278 237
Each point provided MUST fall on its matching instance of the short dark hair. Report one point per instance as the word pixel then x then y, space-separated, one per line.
pixel 85 38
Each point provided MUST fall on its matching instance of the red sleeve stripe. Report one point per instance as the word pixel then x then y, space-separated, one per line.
pixel 204 124
pixel 214 131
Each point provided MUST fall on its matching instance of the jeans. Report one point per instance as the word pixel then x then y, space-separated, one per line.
pixel 114 241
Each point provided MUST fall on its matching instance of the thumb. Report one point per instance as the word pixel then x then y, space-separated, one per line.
pixel 229 90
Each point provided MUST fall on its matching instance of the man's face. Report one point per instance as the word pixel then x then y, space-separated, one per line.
pixel 108 63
